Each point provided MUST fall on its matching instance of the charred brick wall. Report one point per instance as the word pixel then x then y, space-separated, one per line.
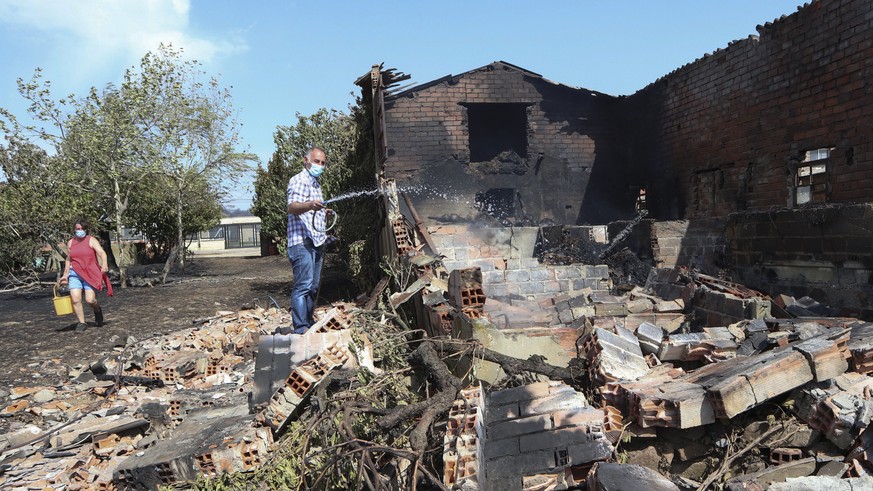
pixel 699 244
pixel 726 132
pixel 509 270
pixel 567 172
pixel 824 253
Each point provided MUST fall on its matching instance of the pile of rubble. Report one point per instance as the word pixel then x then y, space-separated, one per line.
pixel 203 401
pixel 688 383
pixel 785 397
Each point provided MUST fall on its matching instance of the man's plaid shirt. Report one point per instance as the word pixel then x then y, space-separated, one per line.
pixel 303 187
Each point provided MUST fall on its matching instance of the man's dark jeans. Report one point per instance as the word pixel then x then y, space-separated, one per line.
pixel 306 261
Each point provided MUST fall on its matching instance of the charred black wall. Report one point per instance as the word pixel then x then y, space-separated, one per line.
pixel 551 155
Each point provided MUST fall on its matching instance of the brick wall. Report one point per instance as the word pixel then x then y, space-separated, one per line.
pixel 569 149
pixel 508 269
pixel 722 134
pixel 825 253
pixel 697 243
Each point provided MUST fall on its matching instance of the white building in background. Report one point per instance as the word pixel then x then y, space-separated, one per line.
pixel 230 233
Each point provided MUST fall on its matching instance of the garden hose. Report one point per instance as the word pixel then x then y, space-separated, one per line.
pixel 329 227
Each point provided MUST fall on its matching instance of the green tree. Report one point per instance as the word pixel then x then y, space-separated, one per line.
pixel 329 129
pixel 97 143
pixel 348 144
pixel 164 120
pixel 104 140
pixel 39 201
pixel 150 215
pixel 194 134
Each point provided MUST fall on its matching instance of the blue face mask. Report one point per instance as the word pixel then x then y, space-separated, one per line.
pixel 81 234
pixel 315 170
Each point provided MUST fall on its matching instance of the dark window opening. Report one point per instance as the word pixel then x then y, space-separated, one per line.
pixel 495 129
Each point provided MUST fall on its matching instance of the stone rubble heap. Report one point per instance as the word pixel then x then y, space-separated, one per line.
pixel 170 409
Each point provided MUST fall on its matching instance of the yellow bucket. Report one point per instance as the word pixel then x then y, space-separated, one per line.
pixel 63 304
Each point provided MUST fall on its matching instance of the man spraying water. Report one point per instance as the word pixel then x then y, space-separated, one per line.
pixel 307 218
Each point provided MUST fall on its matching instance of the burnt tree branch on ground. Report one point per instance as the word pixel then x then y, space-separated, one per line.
pixel 448 387
pixel 511 365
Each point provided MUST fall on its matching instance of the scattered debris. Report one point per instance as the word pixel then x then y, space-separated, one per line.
pixel 686 382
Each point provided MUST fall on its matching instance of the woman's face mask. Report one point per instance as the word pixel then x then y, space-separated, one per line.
pixel 315 170
pixel 81 234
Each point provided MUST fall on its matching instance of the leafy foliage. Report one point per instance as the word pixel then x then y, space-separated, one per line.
pixel 347 141
pixel 39 202
pixel 150 215
pixel 167 135
pixel 329 129
pixel 192 135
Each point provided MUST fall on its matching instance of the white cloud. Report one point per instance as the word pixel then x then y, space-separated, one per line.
pixel 95 33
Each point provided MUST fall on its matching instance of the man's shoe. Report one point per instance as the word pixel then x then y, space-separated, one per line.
pixel 283 330
pixel 81 326
pixel 98 317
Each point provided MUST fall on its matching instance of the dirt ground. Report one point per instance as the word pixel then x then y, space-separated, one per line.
pixel 36 348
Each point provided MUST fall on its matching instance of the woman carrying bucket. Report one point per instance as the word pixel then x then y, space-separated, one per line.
pixel 83 272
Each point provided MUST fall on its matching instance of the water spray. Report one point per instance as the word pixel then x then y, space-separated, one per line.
pixel 375 192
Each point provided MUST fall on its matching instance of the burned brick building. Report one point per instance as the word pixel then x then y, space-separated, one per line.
pixel 754 161
pixel 504 141
pixel 772 136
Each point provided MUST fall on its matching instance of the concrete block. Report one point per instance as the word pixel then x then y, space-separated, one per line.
pixel 577 417
pixel 601 271
pixel 567 273
pixel 578 301
pixel 584 453
pixel 610 309
pixel 497 290
pixel 525 392
pixel 580 284
pixel 502 413
pixel 541 274
pixel 580 312
pixel 551 286
pixel 522 463
pixel 518 427
pixel 530 263
pixel 531 288
pixel 495 449
pixel 638 306
pixel 491 277
pixel 561 401
pixel 565 437
pixel 517 276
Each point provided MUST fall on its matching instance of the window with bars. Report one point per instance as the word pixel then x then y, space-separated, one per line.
pixel 811 176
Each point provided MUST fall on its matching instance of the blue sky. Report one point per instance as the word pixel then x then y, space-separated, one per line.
pixel 285 57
